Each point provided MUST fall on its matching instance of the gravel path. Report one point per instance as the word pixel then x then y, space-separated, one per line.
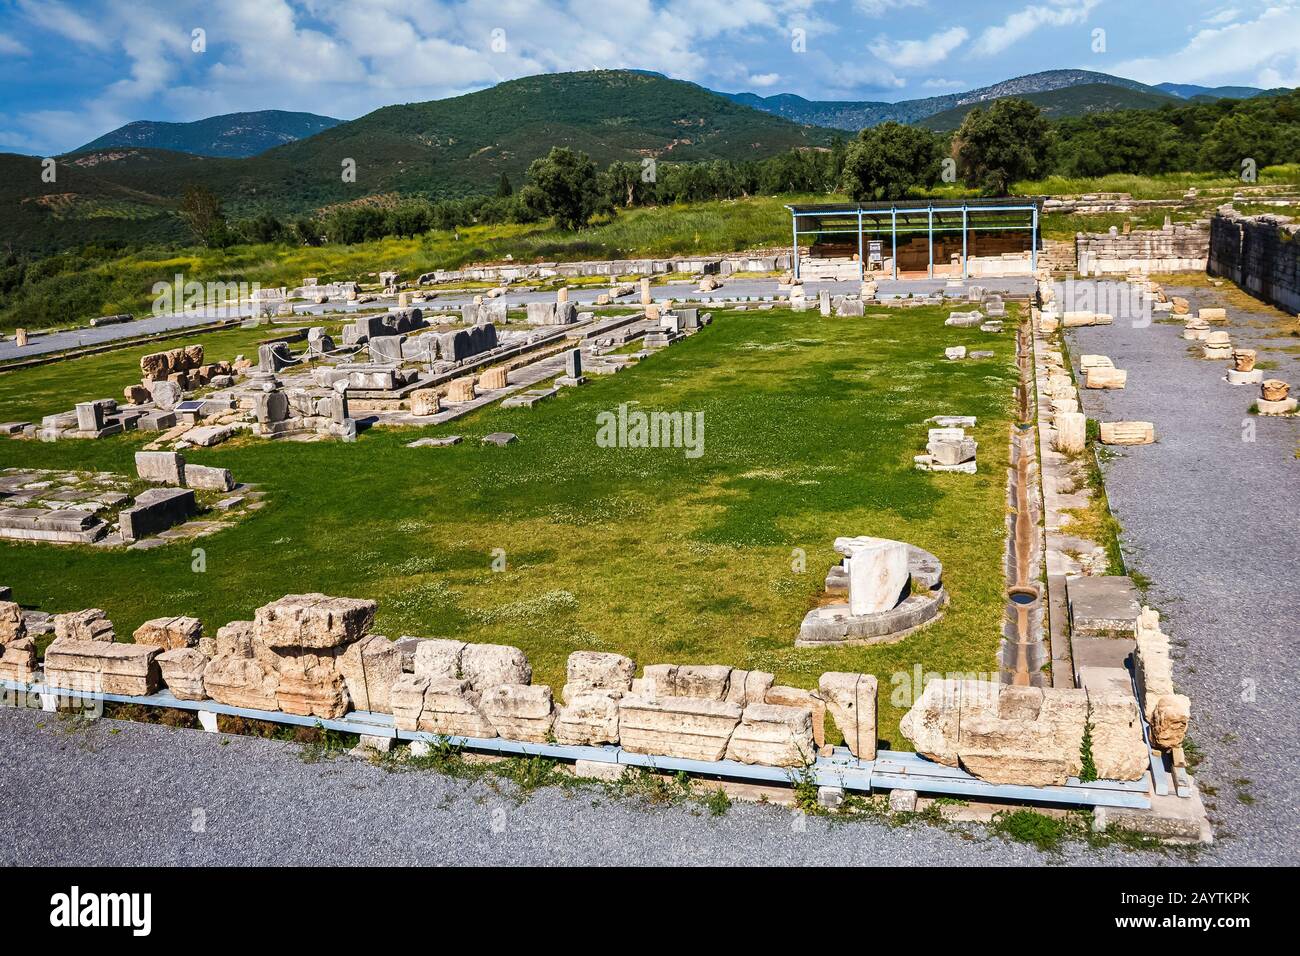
pixel 1213 520
pixel 121 793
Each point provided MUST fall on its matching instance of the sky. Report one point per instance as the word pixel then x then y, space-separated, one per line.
pixel 72 70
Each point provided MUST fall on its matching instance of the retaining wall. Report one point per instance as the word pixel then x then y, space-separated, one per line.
pixel 1259 253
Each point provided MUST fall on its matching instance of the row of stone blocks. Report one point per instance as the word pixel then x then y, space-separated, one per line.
pixel 313 655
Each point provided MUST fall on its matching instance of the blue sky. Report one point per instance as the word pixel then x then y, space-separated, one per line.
pixel 71 70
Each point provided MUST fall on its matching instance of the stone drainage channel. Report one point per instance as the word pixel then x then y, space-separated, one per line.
pixel 1022 653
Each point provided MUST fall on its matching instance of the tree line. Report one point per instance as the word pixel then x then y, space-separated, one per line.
pixel 995 146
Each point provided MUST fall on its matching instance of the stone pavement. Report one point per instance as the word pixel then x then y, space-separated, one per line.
pixel 1213 520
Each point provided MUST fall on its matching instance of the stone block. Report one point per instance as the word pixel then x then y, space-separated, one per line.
pixel 852 702
pixel 749 687
pixel 594 670
pixel 1127 433
pixel 1104 377
pixel 311 686
pixel 156 510
pixel 240 681
pixel 425 401
pixel 450 708
pixel 1169 720
pixel 182 671
pixel 161 467
pixel 1071 432
pixel 313 621
pixel 519 711
pixel 18 660
pixel 370 667
pixel 774 736
pixel 102 666
pixel 438 658
pixel 208 478
pixel 13 625
pixel 169 633
pixel 494 378
pixel 91 624
pixel 588 718
pixel 687 727
pixel 808 700
pixel 705 681
pixel 902 801
pixel 877 570
pixel 1104 605
pixel 485 666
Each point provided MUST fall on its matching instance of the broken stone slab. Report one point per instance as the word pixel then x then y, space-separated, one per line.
pixel 800 699
pixel 851 700
pixel 370 667
pixel 102 667
pixel 704 681
pixel 315 621
pixel 169 633
pixel 1105 377
pixel 685 727
pixel 18 660
pixel 749 687
pixel 311 686
pixel 435 442
pixel 182 672
pixel 1127 433
pixel 13 623
pixel 156 509
pixel 449 707
pixel 520 711
pixel 91 624
pixel 955 353
pixel 438 657
pixel 1103 605
pixel 500 438
pixel 589 718
pixel 877 570
pixel 774 736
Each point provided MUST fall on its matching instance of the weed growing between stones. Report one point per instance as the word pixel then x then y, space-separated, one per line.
pixel 320 743
pixel 718 802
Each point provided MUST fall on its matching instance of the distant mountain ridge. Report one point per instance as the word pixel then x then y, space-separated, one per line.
pixel 233 135
pixel 854 115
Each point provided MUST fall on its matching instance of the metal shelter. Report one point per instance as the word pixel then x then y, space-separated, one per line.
pixel 908 217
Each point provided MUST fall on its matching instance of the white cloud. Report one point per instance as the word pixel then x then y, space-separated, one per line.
pixel 1022 23
pixel 903 54
pixel 764 79
pixel 58 18
pixel 937 83
pixel 878 8
pixel 11 47
pixel 1221 17
pixel 1266 50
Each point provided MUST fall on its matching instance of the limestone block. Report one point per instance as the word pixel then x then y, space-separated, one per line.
pixel 451 709
pixel 161 467
pixel 18 660
pixel 686 727
pixel 1213 315
pixel 169 633
pixel 461 390
pixel 438 658
pixel 749 687
pixel 1071 432
pixel 406 699
pixel 182 671
pixel 313 621
pixel 1169 720
pixel 773 735
pixel 705 681
pixel 494 378
pixel 370 667
pixel 235 639
pixel 877 569
pixel 593 670
pixel 1127 433
pixel 208 478
pixel 102 666
pixel 1243 360
pixel 311 684
pixel 952 451
pixel 425 401
pixel 851 700
pixel 1274 390
pixel 91 624
pixel 241 682
pixel 13 626
pixel 810 701
pixel 1103 377
pixel 519 711
pixel 589 718
pixel 486 666
pixel 1095 361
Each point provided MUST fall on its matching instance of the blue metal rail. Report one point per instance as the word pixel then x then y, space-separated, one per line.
pixel 891 770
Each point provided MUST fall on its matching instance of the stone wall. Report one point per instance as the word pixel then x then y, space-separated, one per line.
pixel 1183 247
pixel 1259 253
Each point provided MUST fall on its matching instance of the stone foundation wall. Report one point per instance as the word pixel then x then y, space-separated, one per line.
pixel 1259 253
pixel 1184 247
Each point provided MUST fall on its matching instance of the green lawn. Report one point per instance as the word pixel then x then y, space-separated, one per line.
pixel 810 429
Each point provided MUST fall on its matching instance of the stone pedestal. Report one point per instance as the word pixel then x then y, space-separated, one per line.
pixel 1253 377
pixel 1071 432
pixel 1284 407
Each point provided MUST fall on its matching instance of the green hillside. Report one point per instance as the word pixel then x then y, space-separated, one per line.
pixel 231 135
pixel 441 149
pixel 1080 100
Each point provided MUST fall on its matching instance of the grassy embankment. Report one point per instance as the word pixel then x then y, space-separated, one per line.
pixel 810 429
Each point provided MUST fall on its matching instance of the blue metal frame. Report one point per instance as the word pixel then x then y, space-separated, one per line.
pixel 891 770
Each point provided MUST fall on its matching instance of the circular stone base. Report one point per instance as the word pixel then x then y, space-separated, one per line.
pixel 833 624
pixel 1284 407
pixel 1253 377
